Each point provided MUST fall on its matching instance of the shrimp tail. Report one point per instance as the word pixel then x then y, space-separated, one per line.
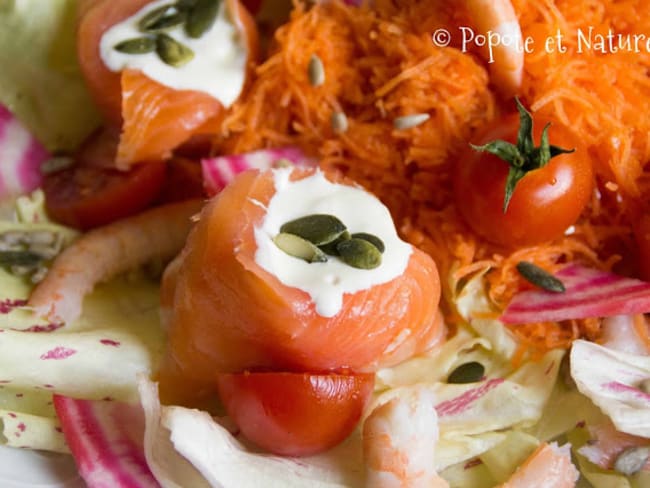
pixel 156 234
pixel 506 59
pixel 399 443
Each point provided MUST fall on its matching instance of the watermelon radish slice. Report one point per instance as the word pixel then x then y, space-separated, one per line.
pixel 219 171
pixel 106 439
pixel 589 293
pixel 21 156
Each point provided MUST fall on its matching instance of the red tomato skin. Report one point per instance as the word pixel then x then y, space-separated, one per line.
pixel 545 201
pixel 295 414
pixel 92 193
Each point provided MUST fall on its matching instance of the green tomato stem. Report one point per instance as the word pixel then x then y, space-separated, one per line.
pixel 523 156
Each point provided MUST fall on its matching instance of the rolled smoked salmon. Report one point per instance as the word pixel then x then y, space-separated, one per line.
pixel 154 118
pixel 226 313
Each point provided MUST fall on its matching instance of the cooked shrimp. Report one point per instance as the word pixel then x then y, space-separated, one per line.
pixel 499 17
pixel 606 444
pixel 156 234
pixel 399 442
pixel 549 466
pixel 620 333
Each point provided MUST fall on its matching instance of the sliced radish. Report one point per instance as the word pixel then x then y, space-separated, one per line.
pixel 589 293
pixel 219 171
pixel 21 156
pixel 107 441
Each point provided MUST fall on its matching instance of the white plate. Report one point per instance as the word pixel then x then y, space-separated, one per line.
pixel 34 469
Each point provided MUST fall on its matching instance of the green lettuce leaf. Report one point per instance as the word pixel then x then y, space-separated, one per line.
pixel 504 458
pixel 38 59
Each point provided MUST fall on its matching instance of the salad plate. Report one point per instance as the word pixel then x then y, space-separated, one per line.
pixel 378 177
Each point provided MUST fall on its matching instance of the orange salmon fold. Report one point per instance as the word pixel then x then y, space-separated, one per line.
pixel 158 119
pixel 154 118
pixel 227 314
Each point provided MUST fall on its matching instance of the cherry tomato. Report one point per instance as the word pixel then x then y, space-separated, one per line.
pixel 545 201
pixel 92 192
pixel 295 414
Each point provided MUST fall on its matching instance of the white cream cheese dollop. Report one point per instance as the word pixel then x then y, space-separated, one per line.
pixel 360 211
pixel 220 56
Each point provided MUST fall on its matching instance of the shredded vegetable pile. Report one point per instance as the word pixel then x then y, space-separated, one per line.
pixel 380 63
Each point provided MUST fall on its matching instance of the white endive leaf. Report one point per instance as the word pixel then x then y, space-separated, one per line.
pixel 611 380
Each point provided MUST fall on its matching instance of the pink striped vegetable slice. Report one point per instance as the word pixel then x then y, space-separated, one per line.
pixel 21 156
pixel 107 441
pixel 219 171
pixel 589 293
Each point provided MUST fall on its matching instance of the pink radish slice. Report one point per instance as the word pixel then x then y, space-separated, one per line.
pixel 589 293
pixel 219 171
pixel 21 156
pixel 107 442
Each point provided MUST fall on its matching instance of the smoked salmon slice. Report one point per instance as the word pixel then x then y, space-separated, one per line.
pixel 154 118
pixel 158 119
pixel 227 314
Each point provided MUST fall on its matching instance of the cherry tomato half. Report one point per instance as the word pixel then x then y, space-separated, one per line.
pixel 295 414
pixel 545 201
pixel 92 192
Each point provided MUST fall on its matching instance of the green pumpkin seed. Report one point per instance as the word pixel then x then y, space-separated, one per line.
pixel 319 229
pixel 201 17
pixel 300 248
pixel 632 460
pixel 467 373
pixel 162 18
pixel 315 71
pixel 359 253
pixel 137 45
pixel 19 258
pixel 331 247
pixel 173 52
pixel 155 15
pixel 539 277
pixel 372 239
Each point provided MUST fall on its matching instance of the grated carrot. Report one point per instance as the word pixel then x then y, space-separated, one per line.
pixel 380 64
